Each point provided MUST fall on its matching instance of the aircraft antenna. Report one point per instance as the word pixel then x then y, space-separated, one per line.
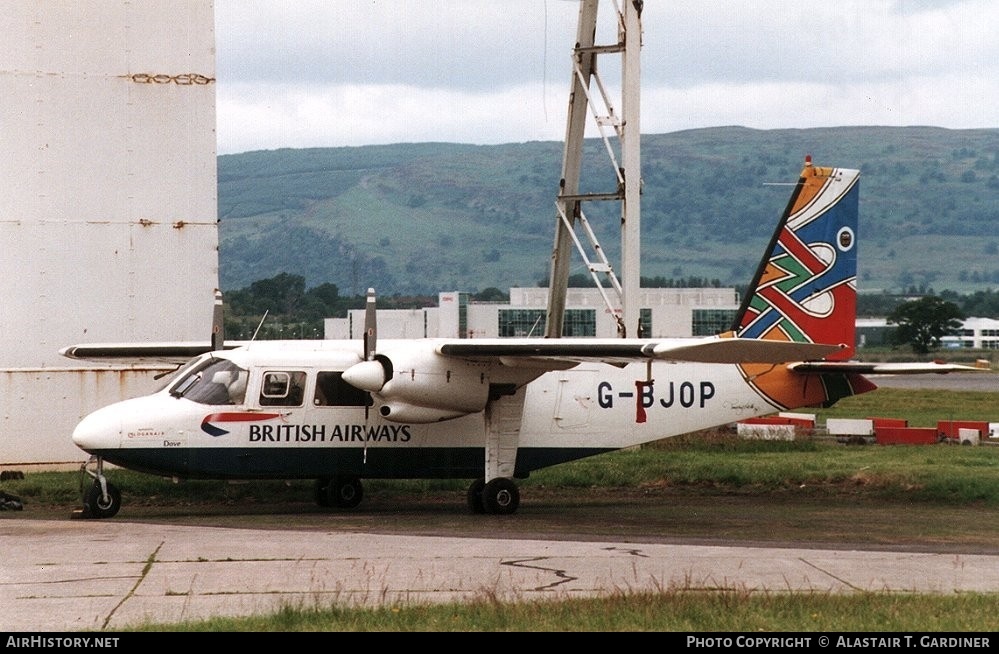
pixel 257 330
pixel 534 326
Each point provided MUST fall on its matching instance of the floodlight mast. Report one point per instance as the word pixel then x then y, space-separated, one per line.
pixel 627 181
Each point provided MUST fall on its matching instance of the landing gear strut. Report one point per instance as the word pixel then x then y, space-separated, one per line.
pixel 101 499
pixel 500 496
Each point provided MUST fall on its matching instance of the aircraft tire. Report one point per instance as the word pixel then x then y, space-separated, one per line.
pixel 94 505
pixel 475 504
pixel 322 492
pixel 345 492
pixel 501 496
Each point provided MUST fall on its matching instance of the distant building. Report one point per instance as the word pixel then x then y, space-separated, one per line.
pixel 974 333
pixel 873 332
pixel 665 312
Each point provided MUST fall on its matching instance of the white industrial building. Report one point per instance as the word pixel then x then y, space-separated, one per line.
pixel 974 333
pixel 108 209
pixel 665 312
pixel 977 333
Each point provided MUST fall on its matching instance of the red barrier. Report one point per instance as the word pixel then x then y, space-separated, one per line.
pixel 949 428
pixel 888 422
pixel 905 436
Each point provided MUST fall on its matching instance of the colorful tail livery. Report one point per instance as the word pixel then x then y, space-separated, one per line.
pixel 805 289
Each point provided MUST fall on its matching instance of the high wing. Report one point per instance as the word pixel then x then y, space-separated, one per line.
pixel 539 354
pixel 563 352
pixel 163 352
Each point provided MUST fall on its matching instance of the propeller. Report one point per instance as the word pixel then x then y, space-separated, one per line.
pixel 421 395
pixel 218 327
pixel 370 326
pixel 370 341
pixel 370 374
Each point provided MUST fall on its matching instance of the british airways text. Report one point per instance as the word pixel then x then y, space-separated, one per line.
pixel 335 433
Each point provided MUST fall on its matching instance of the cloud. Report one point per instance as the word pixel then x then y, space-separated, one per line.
pixel 356 72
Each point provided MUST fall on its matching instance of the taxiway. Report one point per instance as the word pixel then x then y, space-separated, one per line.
pixel 71 576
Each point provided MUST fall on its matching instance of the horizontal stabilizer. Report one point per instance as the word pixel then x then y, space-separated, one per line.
pixel 885 368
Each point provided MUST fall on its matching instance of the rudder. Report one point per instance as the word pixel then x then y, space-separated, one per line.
pixel 805 289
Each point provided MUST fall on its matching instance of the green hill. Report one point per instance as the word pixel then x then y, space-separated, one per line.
pixel 422 218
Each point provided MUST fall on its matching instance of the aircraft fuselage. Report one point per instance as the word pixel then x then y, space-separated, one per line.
pixel 296 418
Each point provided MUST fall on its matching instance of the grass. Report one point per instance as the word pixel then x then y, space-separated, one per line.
pixel 921 407
pixel 715 460
pixel 729 611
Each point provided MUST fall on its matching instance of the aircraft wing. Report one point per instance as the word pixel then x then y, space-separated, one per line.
pixel 885 368
pixel 570 351
pixel 164 352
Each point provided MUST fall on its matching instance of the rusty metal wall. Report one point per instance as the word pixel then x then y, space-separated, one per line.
pixel 108 208
pixel 41 407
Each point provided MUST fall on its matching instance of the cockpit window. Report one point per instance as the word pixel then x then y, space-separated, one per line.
pixel 217 381
pixel 168 378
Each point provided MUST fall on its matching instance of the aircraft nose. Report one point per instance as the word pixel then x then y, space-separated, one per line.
pixel 97 431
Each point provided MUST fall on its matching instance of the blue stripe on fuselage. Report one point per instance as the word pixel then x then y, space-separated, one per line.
pixel 311 463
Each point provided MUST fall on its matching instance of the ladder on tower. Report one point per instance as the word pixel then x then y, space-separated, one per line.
pixel 621 138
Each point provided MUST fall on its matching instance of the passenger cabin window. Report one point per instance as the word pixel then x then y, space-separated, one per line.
pixel 214 382
pixel 332 390
pixel 282 388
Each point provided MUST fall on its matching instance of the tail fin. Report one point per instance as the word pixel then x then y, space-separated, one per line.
pixel 805 288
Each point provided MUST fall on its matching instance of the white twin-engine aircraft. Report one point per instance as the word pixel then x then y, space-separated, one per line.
pixel 494 410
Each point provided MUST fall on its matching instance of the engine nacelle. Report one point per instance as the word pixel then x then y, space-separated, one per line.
pixel 402 412
pixel 417 381
pixel 430 380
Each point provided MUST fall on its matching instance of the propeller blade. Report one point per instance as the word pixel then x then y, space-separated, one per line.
pixel 218 328
pixel 370 326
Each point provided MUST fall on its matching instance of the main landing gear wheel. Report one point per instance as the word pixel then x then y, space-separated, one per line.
pixel 475 504
pixel 500 496
pixel 98 505
pixel 345 492
pixel 339 492
pixel 322 492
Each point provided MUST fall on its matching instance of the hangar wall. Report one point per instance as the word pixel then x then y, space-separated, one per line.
pixel 108 205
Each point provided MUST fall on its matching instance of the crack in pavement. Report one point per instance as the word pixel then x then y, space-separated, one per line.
pixel 145 571
pixel 558 572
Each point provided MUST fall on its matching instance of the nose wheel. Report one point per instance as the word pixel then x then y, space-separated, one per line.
pixel 101 499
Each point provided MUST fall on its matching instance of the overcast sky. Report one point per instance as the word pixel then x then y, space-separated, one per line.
pixel 326 73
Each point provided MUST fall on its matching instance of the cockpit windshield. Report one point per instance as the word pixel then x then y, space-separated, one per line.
pixel 215 381
pixel 168 378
